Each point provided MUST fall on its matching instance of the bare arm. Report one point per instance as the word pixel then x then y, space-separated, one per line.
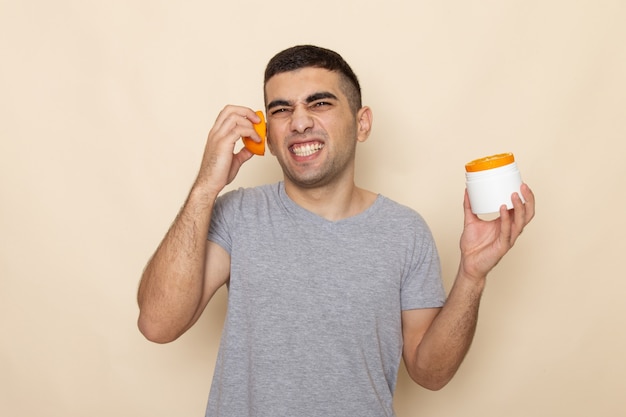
pixel 436 342
pixel 186 270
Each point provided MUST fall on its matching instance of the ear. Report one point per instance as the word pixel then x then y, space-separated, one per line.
pixel 364 120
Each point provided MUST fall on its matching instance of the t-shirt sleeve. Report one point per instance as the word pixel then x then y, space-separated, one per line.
pixel 221 221
pixel 422 286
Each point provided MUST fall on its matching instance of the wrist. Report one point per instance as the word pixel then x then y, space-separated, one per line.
pixel 472 278
pixel 201 195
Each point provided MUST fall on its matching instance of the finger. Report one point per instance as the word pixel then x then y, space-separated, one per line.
pixel 233 117
pixel 242 156
pixel 230 110
pixel 238 160
pixel 233 127
pixel 505 225
pixel 246 124
pixel 254 118
pixel 519 216
pixel 529 197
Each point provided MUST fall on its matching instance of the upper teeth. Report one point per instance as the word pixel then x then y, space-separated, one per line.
pixel 308 149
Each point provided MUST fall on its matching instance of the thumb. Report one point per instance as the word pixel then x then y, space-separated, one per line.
pixel 469 216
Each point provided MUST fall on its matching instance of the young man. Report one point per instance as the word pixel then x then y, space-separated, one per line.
pixel 330 285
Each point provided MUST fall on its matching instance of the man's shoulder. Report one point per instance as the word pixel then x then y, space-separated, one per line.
pixel 251 192
pixel 401 208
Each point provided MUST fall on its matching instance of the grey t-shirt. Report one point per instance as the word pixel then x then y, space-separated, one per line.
pixel 313 326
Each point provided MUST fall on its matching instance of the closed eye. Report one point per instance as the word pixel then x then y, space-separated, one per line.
pixel 279 110
pixel 321 106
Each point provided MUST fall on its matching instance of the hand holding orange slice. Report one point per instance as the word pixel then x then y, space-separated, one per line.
pixel 257 148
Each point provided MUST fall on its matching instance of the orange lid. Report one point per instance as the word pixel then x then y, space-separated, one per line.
pixel 490 162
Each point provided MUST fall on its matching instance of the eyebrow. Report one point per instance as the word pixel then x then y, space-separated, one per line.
pixel 313 97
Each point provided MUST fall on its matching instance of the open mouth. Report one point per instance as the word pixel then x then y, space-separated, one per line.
pixel 306 149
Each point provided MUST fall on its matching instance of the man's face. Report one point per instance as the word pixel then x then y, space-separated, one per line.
pixel 311 130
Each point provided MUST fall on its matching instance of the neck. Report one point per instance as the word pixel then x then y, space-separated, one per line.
pixel 332 202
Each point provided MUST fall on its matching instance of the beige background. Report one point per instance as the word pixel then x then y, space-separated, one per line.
pixel 105 107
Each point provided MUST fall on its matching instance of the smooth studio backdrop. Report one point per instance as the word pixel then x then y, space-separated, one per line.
pixel 104 111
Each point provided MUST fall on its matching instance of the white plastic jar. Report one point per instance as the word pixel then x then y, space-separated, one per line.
pixel 491 181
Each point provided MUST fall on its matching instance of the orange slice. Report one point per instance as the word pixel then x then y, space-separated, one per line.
pixel 490 162
pixel 257 148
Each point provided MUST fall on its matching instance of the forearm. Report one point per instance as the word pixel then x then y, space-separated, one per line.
pixel 171 286
pixel 446 343
pixel 434 355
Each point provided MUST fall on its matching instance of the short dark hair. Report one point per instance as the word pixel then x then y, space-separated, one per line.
pixel 306 56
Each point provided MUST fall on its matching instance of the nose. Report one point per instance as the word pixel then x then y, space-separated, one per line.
pixel 301 120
